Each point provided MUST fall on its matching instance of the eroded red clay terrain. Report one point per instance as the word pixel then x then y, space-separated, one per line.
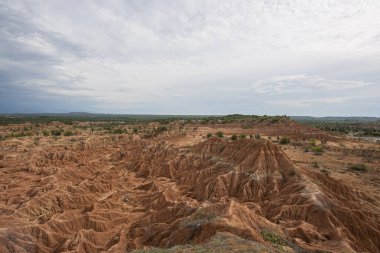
pixel 181 191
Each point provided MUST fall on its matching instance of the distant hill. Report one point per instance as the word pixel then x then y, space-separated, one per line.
pixel 335 118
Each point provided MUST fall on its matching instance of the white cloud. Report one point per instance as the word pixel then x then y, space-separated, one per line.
pixel 309 102
pixel 125 54
pixel 302 82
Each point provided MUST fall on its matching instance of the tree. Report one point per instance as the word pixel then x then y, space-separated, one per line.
pixel 284 140
pixel 234 137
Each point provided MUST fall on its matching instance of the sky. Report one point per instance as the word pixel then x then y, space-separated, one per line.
pixel 275 57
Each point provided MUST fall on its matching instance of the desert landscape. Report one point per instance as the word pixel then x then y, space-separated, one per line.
pixel 189 126
pixel 214 184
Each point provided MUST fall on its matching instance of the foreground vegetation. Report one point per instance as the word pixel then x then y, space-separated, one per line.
pixel 359 127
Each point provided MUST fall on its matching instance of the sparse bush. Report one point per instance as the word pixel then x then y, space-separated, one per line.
pixel 36 141
pixel 284 140
pixel 313 142
pixel 257 136
pixel 273 238
pixel 118 131
pixel 209 135
pixel 358 167
pixel 161 129
pixel 68 133
pixel 198 218
pixel 318 150
pixel 274 120
pixel 234 137
pixel 17 135
pixel 324 171
pixel 56 132
pixel 45 133
pixel 135 130
pixel 242 136
pixel 220 134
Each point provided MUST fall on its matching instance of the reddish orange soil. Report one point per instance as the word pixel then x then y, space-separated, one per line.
pixel 118 193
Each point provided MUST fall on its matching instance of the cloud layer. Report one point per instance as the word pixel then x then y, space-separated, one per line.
pixel 191 57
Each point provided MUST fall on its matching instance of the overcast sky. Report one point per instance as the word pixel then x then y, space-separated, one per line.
pixel 306 57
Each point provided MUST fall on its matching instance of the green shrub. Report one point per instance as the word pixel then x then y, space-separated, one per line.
pixel 45 132
pixel 220 134
pixel 161 129
pixel 358 167
pixel 313 142
pixel 318 150
pixel 135 130
pixel 242 136
pixel 199 217
pixel 118 131
pixel 17 135
pixel 257 136
pixel 36 141
pixel 273 238
pixel 56 132
pixel 234 137
pixel 284 140
pixel 209 135
pixel 68 133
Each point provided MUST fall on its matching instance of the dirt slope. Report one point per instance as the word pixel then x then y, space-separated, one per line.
pixel 105 195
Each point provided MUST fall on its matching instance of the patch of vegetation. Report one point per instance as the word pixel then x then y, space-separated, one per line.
pixel 198 218
pixel 242 136
pixel 284 140
pixel 234 137
pixel 257 136
pixel 118 131
pixel 358 167
pixel 162 129
pixel 318 150
pixel 68 133
pixel 358 126
pixel 56 132
pixel 313 142
pixel 203 215
pixel 71 118
pixel 324 171
pixel 273 238
pixel 219 134
pixel 36 141
pixel 153 250
pixel 209 135
pixel 275 119
pixel 220 242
